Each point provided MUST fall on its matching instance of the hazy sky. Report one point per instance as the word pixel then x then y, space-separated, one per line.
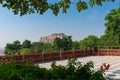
pixel 32 27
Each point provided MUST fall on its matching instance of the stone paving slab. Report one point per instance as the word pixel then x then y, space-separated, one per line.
pixel 114 61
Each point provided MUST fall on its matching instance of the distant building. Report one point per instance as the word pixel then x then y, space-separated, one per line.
pixel 50 38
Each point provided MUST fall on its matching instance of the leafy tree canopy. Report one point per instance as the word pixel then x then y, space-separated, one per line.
pixel 12 48
pixel 76 45
pixel 23 7
pixel 109 41
pixel 57 44
pixel 113 23
pixel 25 51
pixel 65 43
pixel 89 42
pixel 37 47
pixel 26 44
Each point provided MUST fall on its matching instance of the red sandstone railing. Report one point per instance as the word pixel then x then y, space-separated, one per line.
pixel 38 58
pixel 109 52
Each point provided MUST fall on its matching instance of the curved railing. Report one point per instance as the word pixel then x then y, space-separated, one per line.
pixel 38 58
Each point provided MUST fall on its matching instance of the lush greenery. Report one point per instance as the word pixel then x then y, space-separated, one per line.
pixel 23 7
pixel 113 24
pixel 111 38
pixel 28 47
pixel 72 71
pixel 65 43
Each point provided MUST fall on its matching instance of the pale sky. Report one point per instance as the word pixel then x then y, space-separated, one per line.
pixel 32 27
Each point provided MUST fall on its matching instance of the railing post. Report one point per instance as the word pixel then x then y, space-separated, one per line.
pixel 107 51
pixel 93 52
pixel 42 57
pixel 73 51
pixel 84 52
pixel 23 58
pixel 98 51
pixel 60 53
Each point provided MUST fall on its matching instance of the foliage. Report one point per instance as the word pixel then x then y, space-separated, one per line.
pixel 22 71
pixel 76 45
pixel 113 23
pixel 12 48
pixel 26 44
pixel 25 51
pixel 109 40
pixel 65 43
pixel 37 47
pixel 17 47
pixel 47 47
pixel 72 71
pixel 89 42
pixel 23 7
pixel 57 44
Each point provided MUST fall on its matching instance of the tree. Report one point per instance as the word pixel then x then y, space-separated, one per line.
pixel 67 43
pixel 89 42
pixel 92 41
pixel 12 48
pixel 17 45
pixel 23 7
pixel 57 44
pixel 83 44
pixel 109 41
pixel 24 51
pixel 64 43
pixel 47 47
pixel 76 45
pixel 26 44
pixel 26 47
pixel 113 23
pixel 9 49
pixel 37 47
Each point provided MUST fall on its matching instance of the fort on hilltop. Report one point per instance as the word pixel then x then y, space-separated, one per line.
pixel 50 38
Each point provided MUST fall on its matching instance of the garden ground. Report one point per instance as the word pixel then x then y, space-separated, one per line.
pixel 114 61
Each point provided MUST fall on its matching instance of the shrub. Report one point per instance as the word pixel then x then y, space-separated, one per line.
pixel 72 71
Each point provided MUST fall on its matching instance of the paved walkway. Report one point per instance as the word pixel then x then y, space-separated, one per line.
pixel 114 61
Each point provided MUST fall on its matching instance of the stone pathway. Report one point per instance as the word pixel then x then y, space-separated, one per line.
pixel 114 61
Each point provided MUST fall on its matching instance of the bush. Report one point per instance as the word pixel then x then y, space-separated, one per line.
pixel 72 71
